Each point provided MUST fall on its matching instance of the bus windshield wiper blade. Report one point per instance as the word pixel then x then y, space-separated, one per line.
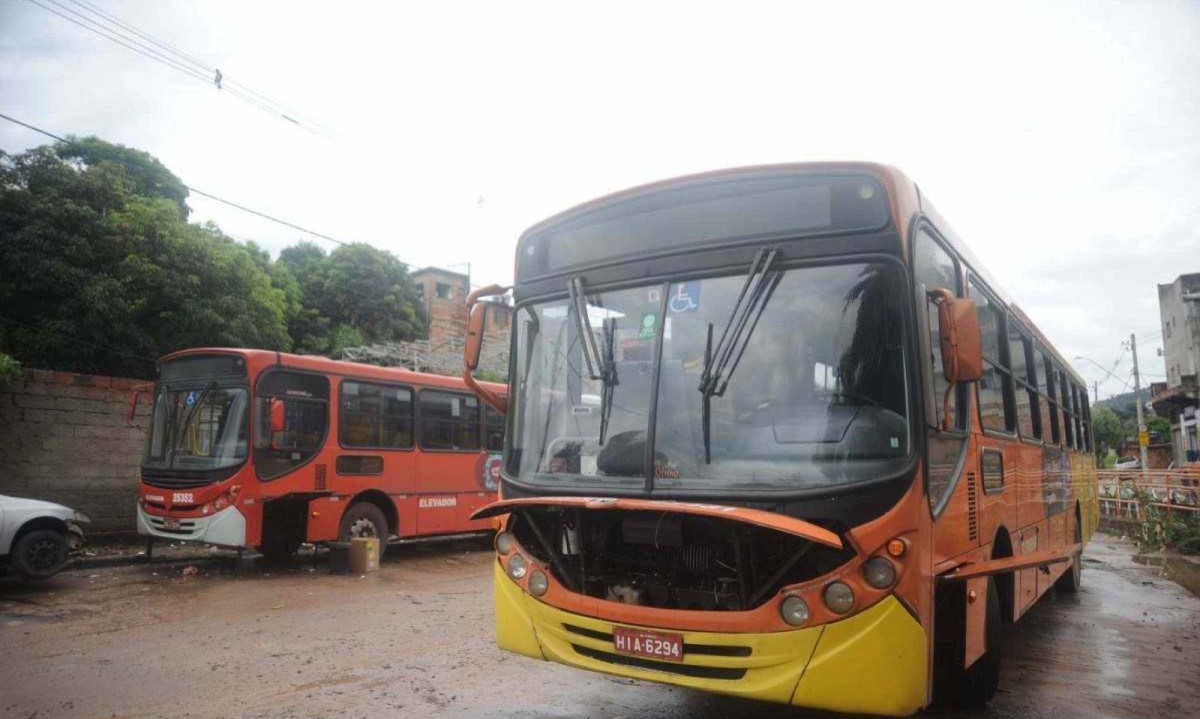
pixel 721 361
pixel 591 353
pixel 752 300
pixel 609 380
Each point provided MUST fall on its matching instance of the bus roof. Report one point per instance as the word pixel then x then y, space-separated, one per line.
pixel 324 365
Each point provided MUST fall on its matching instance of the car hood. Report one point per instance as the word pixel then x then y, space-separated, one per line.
pixel 20 504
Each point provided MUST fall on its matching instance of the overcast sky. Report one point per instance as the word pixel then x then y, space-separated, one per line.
pixel 1061 140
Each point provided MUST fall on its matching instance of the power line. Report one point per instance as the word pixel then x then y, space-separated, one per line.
pixel 222 200
pixel 118 31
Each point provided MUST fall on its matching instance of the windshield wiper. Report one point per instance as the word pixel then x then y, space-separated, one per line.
pixel 187 419
pixel 591 353
pixel 721 361
pixel 609 380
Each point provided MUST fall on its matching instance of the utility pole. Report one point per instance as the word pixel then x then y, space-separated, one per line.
pixel 1137 395
pixel 1095 392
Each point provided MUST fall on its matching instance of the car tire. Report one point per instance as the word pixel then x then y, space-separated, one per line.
pixel 364 519
pixel 40 554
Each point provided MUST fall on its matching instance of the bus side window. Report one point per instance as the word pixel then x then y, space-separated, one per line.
pixel 493 430
pixel 305 400
pixel 935 268
pixel 1047 387
pixel 996 410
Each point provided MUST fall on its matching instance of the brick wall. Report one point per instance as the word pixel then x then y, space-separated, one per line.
pixel 64 438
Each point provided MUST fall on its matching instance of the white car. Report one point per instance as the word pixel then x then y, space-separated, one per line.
pixel 36 537
pixel 1127 463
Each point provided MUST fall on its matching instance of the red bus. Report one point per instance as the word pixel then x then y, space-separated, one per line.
pixel 253 448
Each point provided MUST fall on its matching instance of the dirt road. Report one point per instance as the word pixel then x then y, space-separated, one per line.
pixel 415 640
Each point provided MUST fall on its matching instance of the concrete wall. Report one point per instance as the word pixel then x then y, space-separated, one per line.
pixel 64 438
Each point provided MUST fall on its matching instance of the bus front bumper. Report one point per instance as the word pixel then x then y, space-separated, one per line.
pixel 873 662
pixel 226 527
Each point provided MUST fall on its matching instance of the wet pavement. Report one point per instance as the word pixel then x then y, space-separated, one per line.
pixel 415 639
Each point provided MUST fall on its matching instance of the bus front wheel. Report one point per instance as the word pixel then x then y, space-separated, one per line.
pixel 973 687
pixel 364 519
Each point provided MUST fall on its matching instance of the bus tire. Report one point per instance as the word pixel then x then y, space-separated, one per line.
pixel 279 548
pixel 1072 579
pixel 40 553
pixel 973 687
pixel 364 519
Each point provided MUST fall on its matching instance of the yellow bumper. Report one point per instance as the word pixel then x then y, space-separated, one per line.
pixel 873 662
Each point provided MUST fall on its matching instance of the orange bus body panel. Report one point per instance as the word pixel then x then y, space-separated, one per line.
pixel 769 520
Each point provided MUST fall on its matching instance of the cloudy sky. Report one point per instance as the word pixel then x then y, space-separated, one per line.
pixel 1062 142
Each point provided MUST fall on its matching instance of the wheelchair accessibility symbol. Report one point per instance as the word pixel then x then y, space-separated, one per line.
pixel 685 297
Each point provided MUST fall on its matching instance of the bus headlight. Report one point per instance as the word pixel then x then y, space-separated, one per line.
pixel 538 583
pixel 839 597
pixel 504 543
pixel 879 573
pixel 794 611
pixel 516 566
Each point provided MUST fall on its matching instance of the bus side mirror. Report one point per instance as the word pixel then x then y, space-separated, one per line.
pixel 275 407
pixel 134 395
pixel 962 342
pixel 474 345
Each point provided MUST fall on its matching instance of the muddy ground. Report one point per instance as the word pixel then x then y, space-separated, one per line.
pixel 415 640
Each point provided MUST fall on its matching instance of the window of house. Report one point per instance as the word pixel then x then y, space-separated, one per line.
pixel 449 421
pixel 375 415
pixel 935 268
pixel 444 291
pixel 996 406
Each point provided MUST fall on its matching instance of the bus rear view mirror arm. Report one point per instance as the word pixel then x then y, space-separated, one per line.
pixel 961 340
pixel 474 345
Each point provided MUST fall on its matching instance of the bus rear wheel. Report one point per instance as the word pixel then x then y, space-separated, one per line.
pixel 364 519
pixel 1072 579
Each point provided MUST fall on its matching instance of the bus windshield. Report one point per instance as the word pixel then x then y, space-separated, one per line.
pixel 200 428
pixel 814 392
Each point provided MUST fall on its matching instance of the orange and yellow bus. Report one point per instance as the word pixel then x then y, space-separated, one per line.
pixel 774 432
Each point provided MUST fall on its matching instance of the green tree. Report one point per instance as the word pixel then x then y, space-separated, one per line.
pixel 356 294
pixel 101 272
pixel 1108 430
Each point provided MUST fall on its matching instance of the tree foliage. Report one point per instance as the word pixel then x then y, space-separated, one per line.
pixel 1107 428
pixel 100 271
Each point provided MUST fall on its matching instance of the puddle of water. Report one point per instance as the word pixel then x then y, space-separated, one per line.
pixel 1180 571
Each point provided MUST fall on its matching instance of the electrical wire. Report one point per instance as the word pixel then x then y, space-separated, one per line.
pixel 118 31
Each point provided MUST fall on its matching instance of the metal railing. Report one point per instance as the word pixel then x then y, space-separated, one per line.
pixel 1126 493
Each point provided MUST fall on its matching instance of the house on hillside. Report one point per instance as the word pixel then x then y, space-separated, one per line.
pixel 1179 397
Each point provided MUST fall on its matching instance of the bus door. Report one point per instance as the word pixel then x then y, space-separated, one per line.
pixel 448 463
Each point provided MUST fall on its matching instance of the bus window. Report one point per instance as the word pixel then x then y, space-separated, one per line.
pixel 493 430
pixel 1020 355
pixel 935 268
pixel 305 401
pixel 1047 387
pixel 375 416
pixel 1064 406
pixel 449 421
pixel 995 386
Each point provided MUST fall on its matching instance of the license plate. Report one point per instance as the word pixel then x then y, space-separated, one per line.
pixel 646 643
pixel 169 523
